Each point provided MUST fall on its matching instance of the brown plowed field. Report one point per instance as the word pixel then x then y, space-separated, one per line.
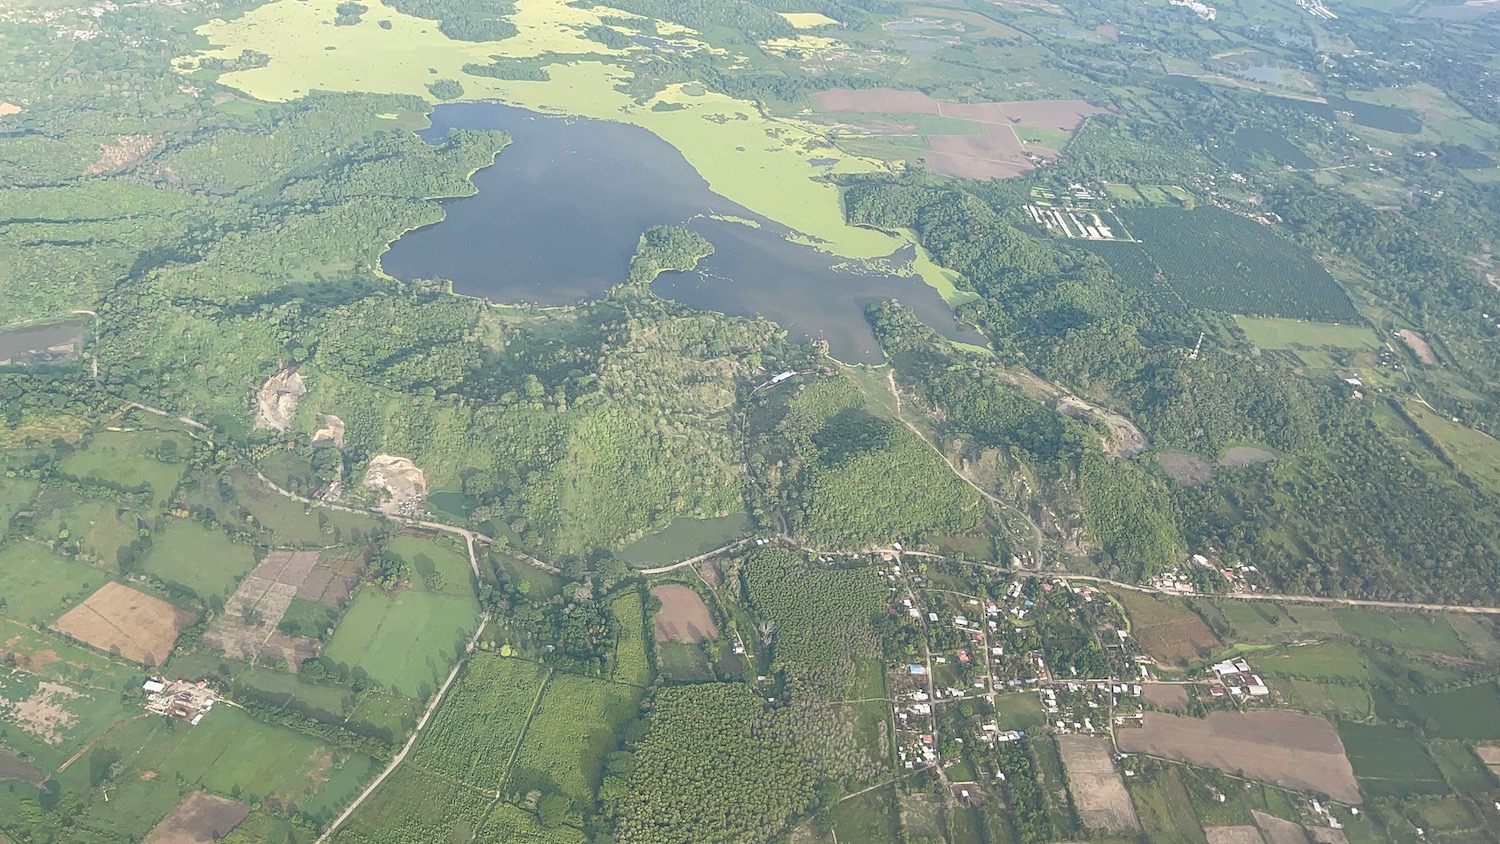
pixel 683 617
pixel 1098 791
pixel 1063 115
pixel 121 620
pixel 1278 830
pixel 1169 696
pixel 200 819
pixel 1233 835
pixel 1287 748
pixel 1170 632
pixel 875 101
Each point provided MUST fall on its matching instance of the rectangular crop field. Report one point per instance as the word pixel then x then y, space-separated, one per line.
pixel 1471 713
pixel 200 560
pixel 1221 261
pixel 1281 333
pixel 415 805
pixel 475 731
pixel 1335 661
pixel 405 641
pixel 1406 630
pixel 1165 810
pixel 50 720
pixel 1168 630
pixel 1290 749
pixel 576 723
pixel 38 584
pixel 230 751
pixel 126 622
pixel 1390 761
pixel 632 665
pixel 1098 791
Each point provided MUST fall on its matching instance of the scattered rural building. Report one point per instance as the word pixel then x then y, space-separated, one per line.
pixel 187 701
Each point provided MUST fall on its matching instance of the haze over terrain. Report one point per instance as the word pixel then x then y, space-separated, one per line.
pixel 544 422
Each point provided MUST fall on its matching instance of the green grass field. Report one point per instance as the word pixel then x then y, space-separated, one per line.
pixel 1019 711
pixel 475 731
pixel 576 723
pixel 1478 635
pixel 1331 661
pixel 15 494
pixel 1389 761
pixel 442 565
pixel 1461 768
pixel 230 752
pixel 1164 808
pixel 291 523
pixel 682 662
pixel 197 558
pixel 1476 454
pixel 1409 631
pixel 38 585
pixel 99 531
pixel 121 457
pixel 407 641
pixel 1471 713
pixel 1279 333
pixel 632 663
pixel 1332 699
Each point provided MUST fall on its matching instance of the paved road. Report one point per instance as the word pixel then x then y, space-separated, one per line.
pixel 412 739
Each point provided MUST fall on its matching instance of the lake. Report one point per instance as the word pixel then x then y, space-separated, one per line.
pixel 557 218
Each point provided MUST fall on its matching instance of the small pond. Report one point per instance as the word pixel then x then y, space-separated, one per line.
pixel 685 538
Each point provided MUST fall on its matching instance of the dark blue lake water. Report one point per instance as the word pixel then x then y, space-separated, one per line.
pixel 557 218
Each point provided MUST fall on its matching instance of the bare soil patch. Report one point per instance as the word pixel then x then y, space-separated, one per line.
pixel 1098 791
pixel 332 431
pixel 332 581
pixel 1126 440
pixel 1186 468
pixel 1233 835
pixel 1168 696
pixel 995 154
pixel 1324 835
pixel 710 574
pixel 1419 346
pixel 8 108
pixel 247 627
pixel 200 819
pixel 1490 756
pixel 1242 455
pixel 1170 632
pixel 12 768
pixel 683 616
pixel 125 151
pixel 1062 115
pixel 405 484
pixel 1279 830
pixel 126 622
pixel 1287 748
pixel 44 715
pixel 276 401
